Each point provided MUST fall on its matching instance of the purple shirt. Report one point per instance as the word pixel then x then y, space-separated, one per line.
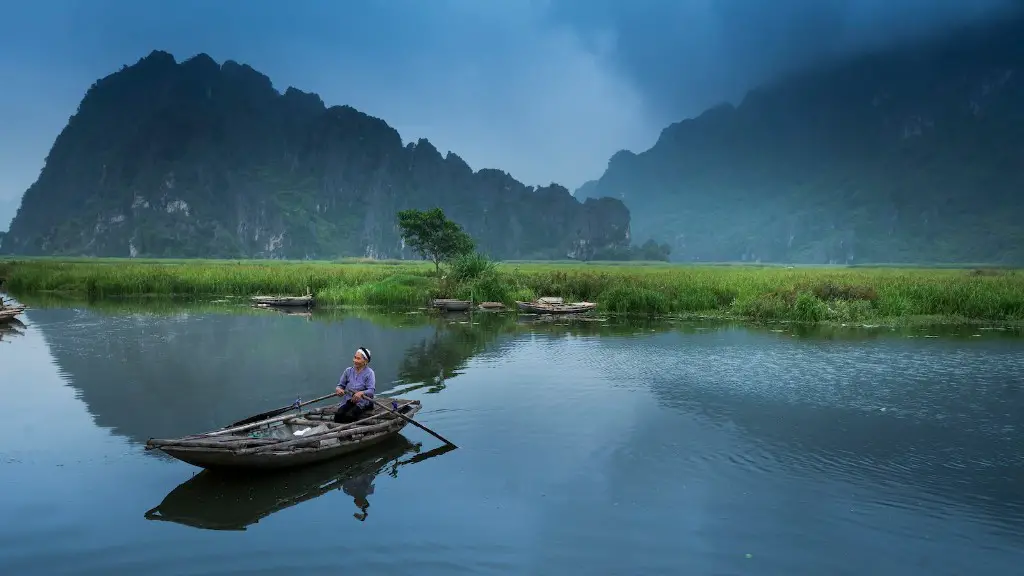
pixel 353 382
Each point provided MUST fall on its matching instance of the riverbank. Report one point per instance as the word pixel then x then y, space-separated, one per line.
pixel 883 295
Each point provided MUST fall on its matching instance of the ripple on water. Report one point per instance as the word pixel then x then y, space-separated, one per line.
pixel 723 452
pixel 916 420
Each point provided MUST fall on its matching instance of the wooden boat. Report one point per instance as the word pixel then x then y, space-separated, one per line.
pixel 10 313
pixel 214 501
pixel 286 310
pixel 451 305
pixel 306 300
pixel 559 308
pixel 491 306
pixel 291 439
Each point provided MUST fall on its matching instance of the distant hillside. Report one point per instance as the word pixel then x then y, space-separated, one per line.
pixel 912 155
pixel 589 189
pixel 8 207
pixel 199 159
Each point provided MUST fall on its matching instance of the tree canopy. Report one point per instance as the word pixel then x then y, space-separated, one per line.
pixel 431 234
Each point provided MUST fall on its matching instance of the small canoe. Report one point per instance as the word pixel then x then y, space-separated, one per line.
pixel 451 305
pixel 491 306
pixel 294 439
pixel 306 300
pixel 544 308
pixel 215 501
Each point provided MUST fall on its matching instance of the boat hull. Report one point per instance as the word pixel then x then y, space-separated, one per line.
pixel 283 300
pixel 542 308
pixel 212 459
pixel 8 314
pixel 285 448
pixel 452 305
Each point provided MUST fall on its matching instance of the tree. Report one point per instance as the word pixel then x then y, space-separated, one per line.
pixel 434 236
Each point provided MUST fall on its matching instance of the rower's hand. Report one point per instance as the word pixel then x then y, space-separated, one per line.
pixel 358 396
pixel 338 390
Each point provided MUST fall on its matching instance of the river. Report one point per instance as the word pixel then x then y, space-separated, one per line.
pixel 584 447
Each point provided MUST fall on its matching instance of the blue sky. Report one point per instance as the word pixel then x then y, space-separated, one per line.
pixel 545 89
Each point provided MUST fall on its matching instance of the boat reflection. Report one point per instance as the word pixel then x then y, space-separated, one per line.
pixel 220 501
pixel 11 328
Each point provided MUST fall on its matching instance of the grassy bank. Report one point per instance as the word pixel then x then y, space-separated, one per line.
pixel 806 294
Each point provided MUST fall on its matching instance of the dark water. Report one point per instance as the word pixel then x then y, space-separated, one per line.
pixel 587 448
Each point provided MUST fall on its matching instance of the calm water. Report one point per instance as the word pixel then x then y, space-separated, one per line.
pixel 587 448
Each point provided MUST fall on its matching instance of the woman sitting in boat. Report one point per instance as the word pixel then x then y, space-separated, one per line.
pixel 356 387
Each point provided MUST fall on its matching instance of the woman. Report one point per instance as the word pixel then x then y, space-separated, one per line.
pixel 356 387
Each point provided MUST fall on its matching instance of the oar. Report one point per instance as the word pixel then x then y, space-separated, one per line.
pixel 281 410
pixel 414 423
pixel 409 420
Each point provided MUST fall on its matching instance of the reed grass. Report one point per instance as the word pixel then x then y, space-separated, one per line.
pixel 887 295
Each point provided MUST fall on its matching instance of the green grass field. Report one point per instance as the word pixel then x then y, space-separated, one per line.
pixel 873 295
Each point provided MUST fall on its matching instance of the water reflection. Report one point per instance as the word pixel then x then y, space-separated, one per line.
pixel 935 423
pixel 11 329
pixel 144 375
pixel 163 369
pixel 872 405
pixel 830 451
pixel 219 501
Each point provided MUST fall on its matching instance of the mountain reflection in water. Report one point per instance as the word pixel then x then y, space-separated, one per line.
pixel 224 501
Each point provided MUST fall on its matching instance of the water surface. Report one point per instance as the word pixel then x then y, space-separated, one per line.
pixel 584 447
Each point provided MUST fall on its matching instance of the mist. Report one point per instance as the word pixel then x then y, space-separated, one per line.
pixel 546 90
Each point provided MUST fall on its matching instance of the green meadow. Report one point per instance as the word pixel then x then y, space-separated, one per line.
pixel 864 295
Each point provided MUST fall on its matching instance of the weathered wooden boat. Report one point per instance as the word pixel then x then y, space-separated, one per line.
pixel 215 501
pixel 10 313
pixel 306 300
pixel 491 306
pixel 559 308
pixel 291 439
pixel 451 305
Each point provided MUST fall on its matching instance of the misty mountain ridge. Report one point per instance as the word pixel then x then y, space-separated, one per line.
pixel 200 159
pixel 8 207
pixel 913 154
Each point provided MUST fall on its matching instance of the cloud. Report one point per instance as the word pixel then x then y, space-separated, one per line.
pixel 686 56
pixel 545 89
pixel 496 82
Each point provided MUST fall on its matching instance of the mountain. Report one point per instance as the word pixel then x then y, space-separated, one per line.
pixel 913 154
pixel 588 189
pixel 200 159
pixel 8 207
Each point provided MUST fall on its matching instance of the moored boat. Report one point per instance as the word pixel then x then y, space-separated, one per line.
pixel 10 313
pixel 306 300
pixel 288 440
pixel 286 310
pixel 539 307
pixel 451 305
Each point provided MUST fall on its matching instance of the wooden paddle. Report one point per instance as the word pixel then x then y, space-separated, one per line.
pixel 282 410
pixel 409 420
pixel 416 424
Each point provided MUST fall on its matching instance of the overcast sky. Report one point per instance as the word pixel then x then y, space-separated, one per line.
pixel 545 89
